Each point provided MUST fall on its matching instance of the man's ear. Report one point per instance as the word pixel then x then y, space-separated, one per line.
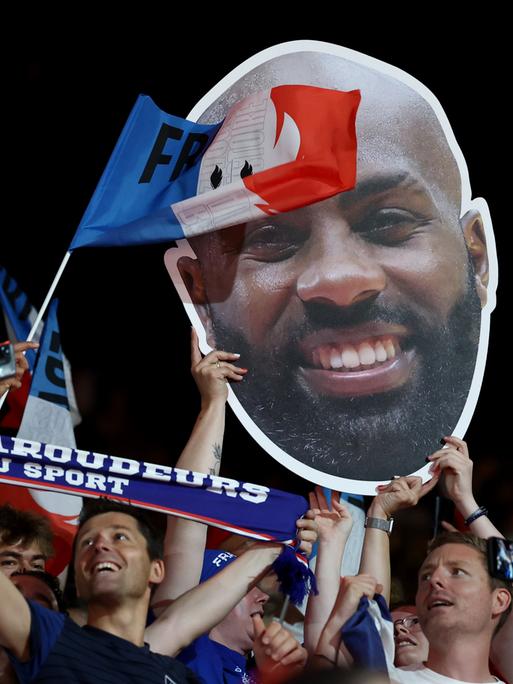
pixel 190 271
pixel 475 239
pixel 501 601
pixel 157 571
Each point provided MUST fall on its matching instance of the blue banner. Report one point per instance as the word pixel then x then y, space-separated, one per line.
pixel 18 311
pixel 240 507
pixel 48 381
pixel 154 164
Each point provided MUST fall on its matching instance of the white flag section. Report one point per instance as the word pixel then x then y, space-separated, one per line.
pixel 47 417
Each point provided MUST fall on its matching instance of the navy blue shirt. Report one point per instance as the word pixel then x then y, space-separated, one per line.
pixel 61 651
pixel 214 663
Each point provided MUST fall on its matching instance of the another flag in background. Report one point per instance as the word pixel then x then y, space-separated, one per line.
pixel 169 178
pixel 19 316
pixel 47 417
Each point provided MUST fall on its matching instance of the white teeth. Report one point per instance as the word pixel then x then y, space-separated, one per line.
pixel 366 354
pixel 361 355
pixel 350 356
pixel 390 349
pixel 380 351
pixel 324 353
pixel 104 566
pixel 336 359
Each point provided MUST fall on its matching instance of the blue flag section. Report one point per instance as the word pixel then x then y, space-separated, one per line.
pixel 154 164
pixel 369 634
pixel 18 311
pixel 48 380
pixel 240 507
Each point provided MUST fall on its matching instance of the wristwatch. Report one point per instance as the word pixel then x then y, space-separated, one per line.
pixel 380 524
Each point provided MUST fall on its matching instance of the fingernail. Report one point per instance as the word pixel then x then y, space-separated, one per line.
pixel 235 354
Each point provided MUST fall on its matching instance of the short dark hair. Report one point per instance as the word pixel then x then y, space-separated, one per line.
pixel 154 541
pixel 26 527
pixel 51 582
pixel 480 546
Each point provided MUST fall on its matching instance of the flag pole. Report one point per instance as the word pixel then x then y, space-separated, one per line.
pixel 43 308
pixel 48 297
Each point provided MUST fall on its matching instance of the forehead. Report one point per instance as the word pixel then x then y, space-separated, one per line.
pixel 394 122
pixel 108 521
pixel 450 554
pixel 32 549
pixel 403 612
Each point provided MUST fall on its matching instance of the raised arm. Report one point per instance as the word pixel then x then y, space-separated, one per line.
pixel 334 524
pixel 14 619
pixel 185 539
pixel 402 492
pixel 200 609
pixel 331 651
pixel 456 469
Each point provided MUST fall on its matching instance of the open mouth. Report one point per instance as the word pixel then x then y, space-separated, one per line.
pixel 439 604
pixel 348 357
pixel 405 642
pixel 365 365
pixel 104 567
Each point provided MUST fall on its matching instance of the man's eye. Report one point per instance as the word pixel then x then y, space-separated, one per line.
pixel 425 576
pixel 458 571
pixel 8 563
pixel 389 226
pixel 273 242
pixel 120 536
pixel 38 565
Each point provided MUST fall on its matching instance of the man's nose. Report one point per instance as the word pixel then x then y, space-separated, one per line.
pixel 101 543
pixel 399 628
pixel 437 578
pixel 261 597
pixel 341 272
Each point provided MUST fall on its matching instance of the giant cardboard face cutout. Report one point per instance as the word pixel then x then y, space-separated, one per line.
pixel 363 318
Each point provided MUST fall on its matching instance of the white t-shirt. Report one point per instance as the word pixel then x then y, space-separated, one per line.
pixel 419 674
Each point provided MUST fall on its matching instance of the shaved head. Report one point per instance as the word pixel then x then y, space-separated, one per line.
pixel 391 114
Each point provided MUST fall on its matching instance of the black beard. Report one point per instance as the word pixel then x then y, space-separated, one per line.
pixel 369 437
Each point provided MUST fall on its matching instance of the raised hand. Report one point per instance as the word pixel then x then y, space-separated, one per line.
pixel 278 655
pixel 14 382
pixel 455 468
pixel 334 521
pixel 402 492
pixel 213 371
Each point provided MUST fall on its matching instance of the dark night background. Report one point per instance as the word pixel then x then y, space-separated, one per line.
pixel 123 328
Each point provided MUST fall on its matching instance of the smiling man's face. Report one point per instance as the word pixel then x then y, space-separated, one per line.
pixel 359 316
pixel 111 559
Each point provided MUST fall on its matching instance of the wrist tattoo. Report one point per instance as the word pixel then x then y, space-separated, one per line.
pixel 216 452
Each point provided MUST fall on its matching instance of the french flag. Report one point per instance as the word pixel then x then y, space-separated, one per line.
pixel 169 178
